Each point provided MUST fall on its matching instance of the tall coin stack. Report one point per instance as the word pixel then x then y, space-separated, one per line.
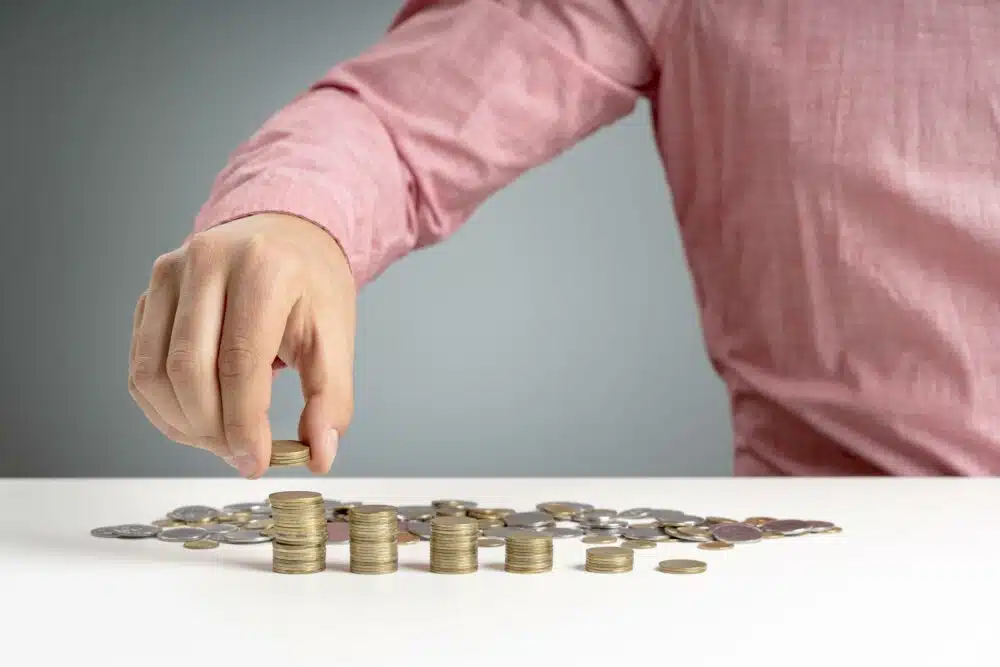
pixel 373 534
pixel 609 560
pixel 454 545
pixel 528 553
pixel 299 545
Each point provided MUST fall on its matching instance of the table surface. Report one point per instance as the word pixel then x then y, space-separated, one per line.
pixel 912 579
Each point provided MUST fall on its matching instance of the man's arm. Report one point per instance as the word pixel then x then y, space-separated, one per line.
pixel 394 150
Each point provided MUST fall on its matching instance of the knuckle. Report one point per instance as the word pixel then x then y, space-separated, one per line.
pixel 236 361
pixel 145 372
pixel 202 252
pixel 164 267
pixel 183 365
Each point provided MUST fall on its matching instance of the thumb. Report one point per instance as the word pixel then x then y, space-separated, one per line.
pixel 325 371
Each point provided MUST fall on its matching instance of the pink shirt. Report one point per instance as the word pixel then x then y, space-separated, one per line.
pixel 834 167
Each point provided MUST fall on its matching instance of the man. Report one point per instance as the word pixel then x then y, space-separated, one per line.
pixel 834 167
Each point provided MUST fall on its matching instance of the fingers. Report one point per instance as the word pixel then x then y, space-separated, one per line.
pixel 148 370
pixel 325 369
pixel 258 301
pixel 192 355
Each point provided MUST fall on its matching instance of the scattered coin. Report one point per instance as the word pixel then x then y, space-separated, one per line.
pixel 407 538
pixel 715 546
pixel 193 513
pixel 563 507
pixel 491 542
pixel 167 523
pixel 528 520
pixel 682 566
pixel 250 508
pixel 787 527
pixel 639 544
pixel 104 531
pixel 737 533
pixel 244 537
pixel 461 504
pixel 835 529
pixel 182 534
pixel 216 528
pixel 637 513
pixel 134 531
pixel 599 539
pixel 713 520
pixel 642 533
pixel 819 526
pixel 767 535
pixel 694 533
pixel 563 533
pixel 421 529
pixel 416 512
pixel 201 544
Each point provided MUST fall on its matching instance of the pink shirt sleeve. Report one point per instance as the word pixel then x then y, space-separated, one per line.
pixel 393 150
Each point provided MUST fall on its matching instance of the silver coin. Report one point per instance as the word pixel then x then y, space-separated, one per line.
pixel 338 533
pixel 505 531
pixel 606 531
pixel 595 517
pixel 670 531
pixel 244 537
pixel 529 520
pixel 104 531
pixel 562 533
pixel 786 526
pixel 193 513
pixel 219 528
pixel 642 533
pixel 416 512
pixel 637 513
pixel 183 534
pixel 253 508
pixel 736 533
pixel 136 531
pixel 458 504
pixel 330 504
pixel 676 519
pixel 571 506
pixel 819 526
pixel 614 524
pixel 421 529
pixel 259 523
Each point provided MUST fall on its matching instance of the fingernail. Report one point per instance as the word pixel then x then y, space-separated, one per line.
pixel 246 465
pixel 332 440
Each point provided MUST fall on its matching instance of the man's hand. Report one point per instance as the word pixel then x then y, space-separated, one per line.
pixel 220 312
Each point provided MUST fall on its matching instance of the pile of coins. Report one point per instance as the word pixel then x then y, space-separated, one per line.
pixel 301 525
pixel 609 560
pixel 299 545
pixel 528 553
pixel 287 453
pixel 454 545
pixel 373 539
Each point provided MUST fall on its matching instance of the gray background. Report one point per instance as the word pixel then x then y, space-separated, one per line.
pixel 555 334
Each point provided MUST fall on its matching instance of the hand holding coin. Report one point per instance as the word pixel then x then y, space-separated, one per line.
pixel 221 314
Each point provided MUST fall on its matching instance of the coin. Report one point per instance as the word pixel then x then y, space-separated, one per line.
pixel 104 531
pixel 642 533
pixel 719 519
pixel 134 531
pixel 767 535
pixel 167 523
pixel 416 512
pixel 562 533
pixel 599 539
pixel 193 513
pixel 563 506
pixel 285 453
pixel 491 542
pixel 407 538
pixel 201 544
pixel 636 513
pixel 461 504
pixel 216 528
pixel 715 546
pixel 835 529
pixel 737 533
pixel 596 517
pixel 243 537
pixel 682 566
pixel 639 544
pixel 421 529
pixel 528 520
pixel 182 534
pixel 758 520
pixel 504 532
pixel 694 533
pixel 787 527
pixel 256 524
pixel 819 526
pixel 609 560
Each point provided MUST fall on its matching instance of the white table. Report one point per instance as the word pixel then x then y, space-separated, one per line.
pixel 913 580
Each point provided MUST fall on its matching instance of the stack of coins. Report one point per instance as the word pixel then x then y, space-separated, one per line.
pixel 373 533
pixel 285 453
pixel 454 545
pixel 299 545
pixel 609 560
pixel 528 553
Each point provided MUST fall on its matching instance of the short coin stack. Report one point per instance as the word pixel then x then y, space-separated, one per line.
pixel 609 560
pixel 299 545
pixel 528 553
pixel 286 453
pixel 373 535
pixel 454 545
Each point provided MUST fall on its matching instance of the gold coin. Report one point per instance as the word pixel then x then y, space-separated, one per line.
pixel 599 539
pixel 407 538
pixel 638 544
pixel 288 453
pixel 491 542
pixel 715 546
pixel 682 566
pixel 201 544
pixel 694 531
pixel 294 497
pixel 835 529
